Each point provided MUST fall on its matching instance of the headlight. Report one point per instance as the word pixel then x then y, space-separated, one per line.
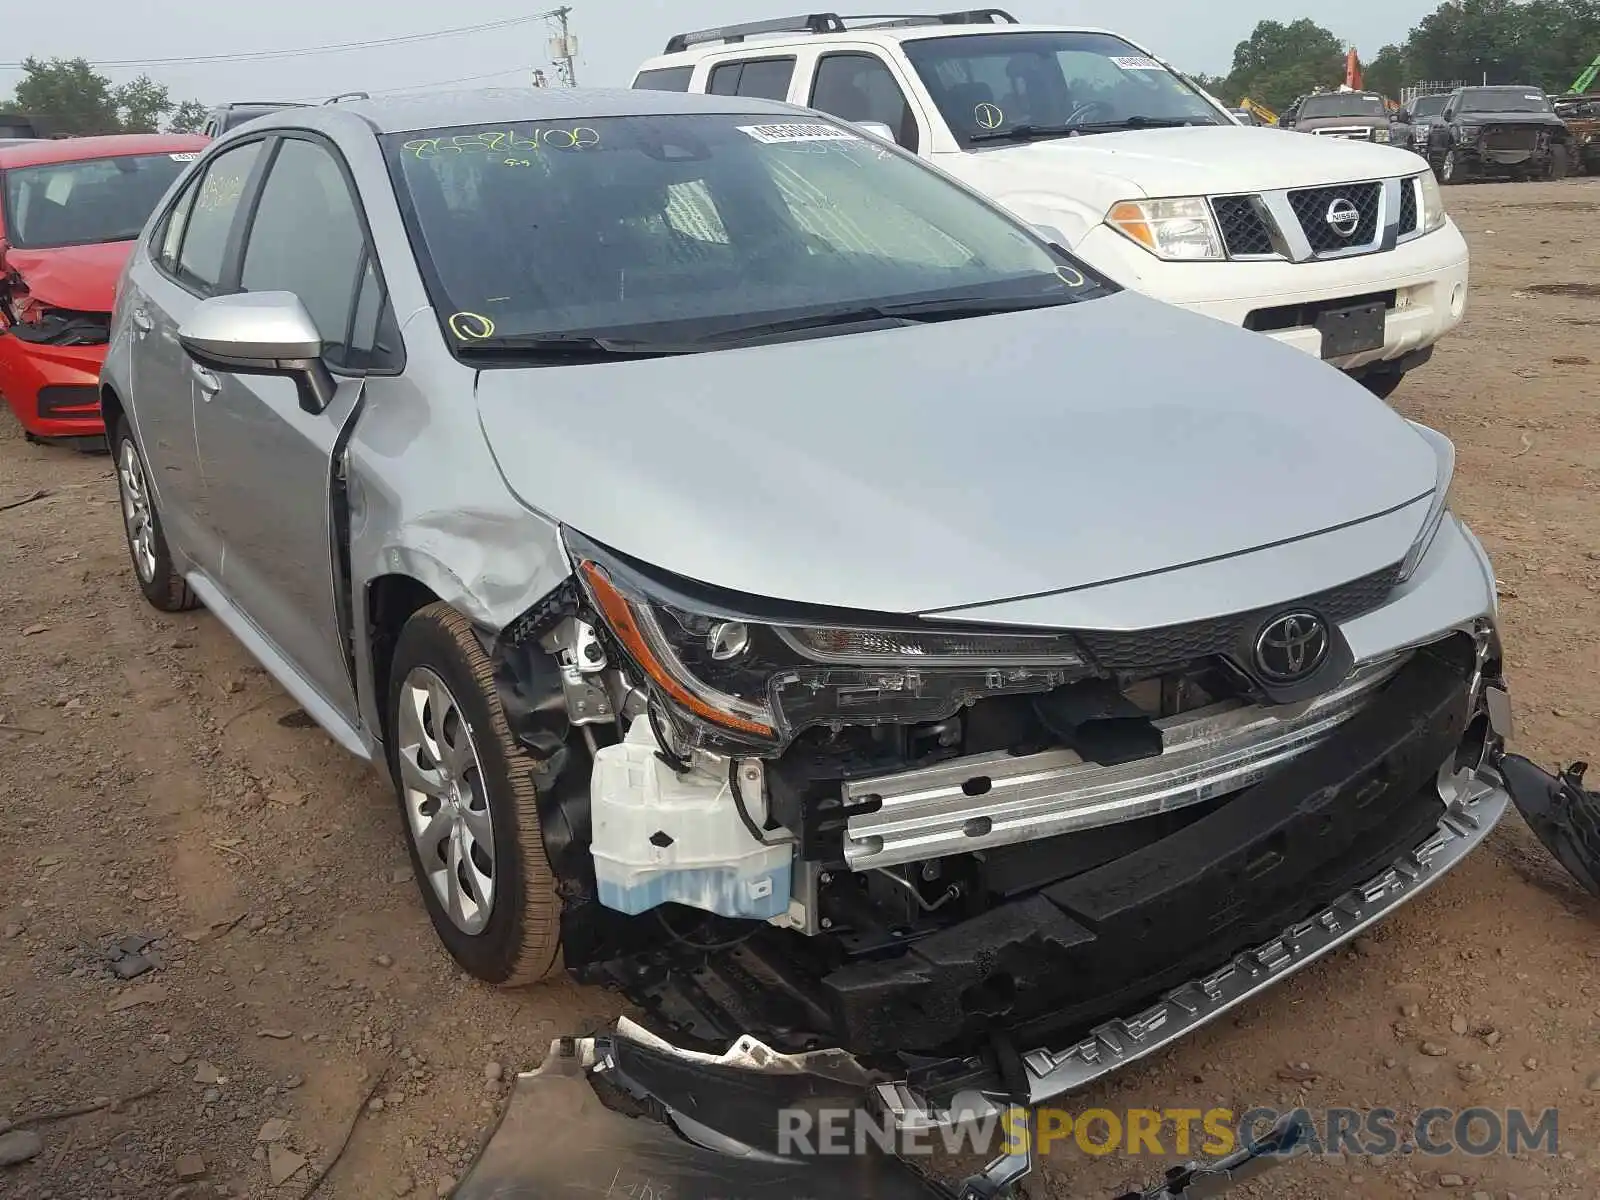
pixel 1445 451
pixel 732 678
pixel 1432 208
pixel 1467 133
pixel 1181 229
pixel 1380 135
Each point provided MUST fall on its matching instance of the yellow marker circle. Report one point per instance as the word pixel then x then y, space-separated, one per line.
pixel 1071 276
pixel 471 326
pixel 989 116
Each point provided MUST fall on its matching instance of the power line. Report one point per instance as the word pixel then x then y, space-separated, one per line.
pixel 266 55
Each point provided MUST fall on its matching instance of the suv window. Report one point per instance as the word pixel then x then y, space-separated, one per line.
pixel 860 87
pixel 216 203
pixel 762 78
pixel 664 79
pixel 307 238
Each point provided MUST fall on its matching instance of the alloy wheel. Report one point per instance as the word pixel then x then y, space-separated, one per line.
pixel 137 514
pixel 447 810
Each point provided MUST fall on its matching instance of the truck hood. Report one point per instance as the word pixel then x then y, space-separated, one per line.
pixel 1510 118
pixel 83 278
pixel 955 464
pixel 1190 161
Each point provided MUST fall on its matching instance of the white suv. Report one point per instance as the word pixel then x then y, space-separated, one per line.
pixel 1339 248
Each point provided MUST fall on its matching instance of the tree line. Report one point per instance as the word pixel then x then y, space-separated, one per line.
pixel 70 97
pixel 1540 43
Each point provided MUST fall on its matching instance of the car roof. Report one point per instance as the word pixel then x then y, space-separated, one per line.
pixel 887 36
pixel 493 106
pixel 56 150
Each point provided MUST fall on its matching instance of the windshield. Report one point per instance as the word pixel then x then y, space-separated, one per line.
pixel 1341 105
pixel 86 202
pixel 1497 100
pixel 690 227
pixel 990 86
pixel 1429 106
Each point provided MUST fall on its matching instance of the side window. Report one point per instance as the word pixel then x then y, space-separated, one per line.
pixel 166 246
pixel 762 79
pixel 307 238
pixel 211 214
pixel 860 87
pixel 664 79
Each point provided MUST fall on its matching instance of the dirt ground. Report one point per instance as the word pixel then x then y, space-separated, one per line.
pixel 154 783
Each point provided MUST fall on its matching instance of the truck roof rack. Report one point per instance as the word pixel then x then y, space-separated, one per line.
pixel 828 22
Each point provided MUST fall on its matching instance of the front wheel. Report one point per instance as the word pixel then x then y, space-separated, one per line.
pixel 1382 384
pixel 159 580
pixel 1558 163
pixel 1453 169
pixel 468 802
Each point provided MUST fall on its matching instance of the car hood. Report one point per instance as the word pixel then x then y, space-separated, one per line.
pixel 1191 161
pixel 1509 118
pixel 77 277
pixel 954 464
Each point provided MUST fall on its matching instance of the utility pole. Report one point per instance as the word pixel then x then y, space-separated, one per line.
pixel 563 46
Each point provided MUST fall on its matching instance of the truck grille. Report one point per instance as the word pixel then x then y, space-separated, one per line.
pixel 1311 209
pixel 1172 644
pixel 1408 207
pixel 1244 231
pixel 1506 138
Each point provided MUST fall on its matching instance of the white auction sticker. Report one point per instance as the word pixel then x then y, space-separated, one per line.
pixel 800 133
pixel 186 156
pixel 1138 63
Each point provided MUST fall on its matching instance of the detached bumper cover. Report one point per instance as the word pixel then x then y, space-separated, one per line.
pixel 1562 812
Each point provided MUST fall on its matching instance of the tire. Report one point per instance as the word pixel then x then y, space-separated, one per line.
pixel 158 579
pixel 1382 384
pixel 1558 163
pixel 1451 169
pixel 477 807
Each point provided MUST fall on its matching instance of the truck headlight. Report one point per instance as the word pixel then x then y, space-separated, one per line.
pixel 1445 451
pixel 729 677
pixel 1380 135
pixel 1181 229
pixel 1432 208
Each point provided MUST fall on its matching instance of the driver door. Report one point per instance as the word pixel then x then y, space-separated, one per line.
pixel 268 462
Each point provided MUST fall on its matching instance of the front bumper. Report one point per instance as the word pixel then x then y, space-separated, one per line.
pixel 54 390
pixel 1428 276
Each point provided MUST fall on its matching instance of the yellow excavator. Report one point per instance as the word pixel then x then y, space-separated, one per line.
pixel 1259 111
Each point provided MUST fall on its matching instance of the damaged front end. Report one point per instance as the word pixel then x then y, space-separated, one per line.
pixel 628 1115
pixel 50 360
pixel 981 860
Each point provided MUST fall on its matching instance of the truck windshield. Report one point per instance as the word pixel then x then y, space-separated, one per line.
pixel 1341 105
pixel 686 228
pixel 1504 100
pixel 991 87
pixel 1429 106
pixel 86 202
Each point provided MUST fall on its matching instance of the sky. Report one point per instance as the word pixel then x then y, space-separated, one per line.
pixel 614 36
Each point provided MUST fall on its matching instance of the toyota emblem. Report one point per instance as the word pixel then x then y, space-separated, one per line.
pixel 1344 218
pixel 1292 647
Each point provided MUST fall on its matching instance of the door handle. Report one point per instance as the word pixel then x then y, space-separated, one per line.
pixel 208 383
pixel 141 322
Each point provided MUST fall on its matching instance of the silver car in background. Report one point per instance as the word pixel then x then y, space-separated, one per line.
pixel 781 584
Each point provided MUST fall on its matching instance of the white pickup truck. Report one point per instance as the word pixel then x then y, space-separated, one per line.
pixel 1342 249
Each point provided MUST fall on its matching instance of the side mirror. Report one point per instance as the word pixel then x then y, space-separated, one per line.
pixel 876 129
pixel 261 333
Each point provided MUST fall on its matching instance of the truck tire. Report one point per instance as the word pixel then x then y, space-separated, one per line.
pixel 1452 169
pixel 468 805
pixel 1558 163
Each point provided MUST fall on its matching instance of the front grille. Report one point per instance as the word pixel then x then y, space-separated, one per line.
pixel 1509 139
pixel 1312 205
pixel 1170 645
pixel 1408 206
pixel 1244 232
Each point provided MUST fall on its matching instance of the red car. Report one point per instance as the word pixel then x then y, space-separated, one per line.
pixel 70 210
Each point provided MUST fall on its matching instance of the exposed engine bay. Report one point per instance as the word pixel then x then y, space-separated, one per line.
pixel 889 838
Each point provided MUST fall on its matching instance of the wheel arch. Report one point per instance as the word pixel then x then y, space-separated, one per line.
pixel 390 601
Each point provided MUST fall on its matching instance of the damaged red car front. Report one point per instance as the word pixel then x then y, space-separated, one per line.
pixel 70 210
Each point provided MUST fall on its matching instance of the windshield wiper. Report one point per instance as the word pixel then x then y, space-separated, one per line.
pixel 1024 133
pixel 1142 123
pixel 946 308
pixel 571 347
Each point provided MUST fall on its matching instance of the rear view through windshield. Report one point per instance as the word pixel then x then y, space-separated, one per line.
pixel 82 203
pixel 1335 105
pixel 690 225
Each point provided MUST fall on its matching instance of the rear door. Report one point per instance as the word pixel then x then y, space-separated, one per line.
pixel 268 462
pixel 184 265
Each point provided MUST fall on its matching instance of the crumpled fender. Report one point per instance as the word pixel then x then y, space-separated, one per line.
pixel 1561 812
